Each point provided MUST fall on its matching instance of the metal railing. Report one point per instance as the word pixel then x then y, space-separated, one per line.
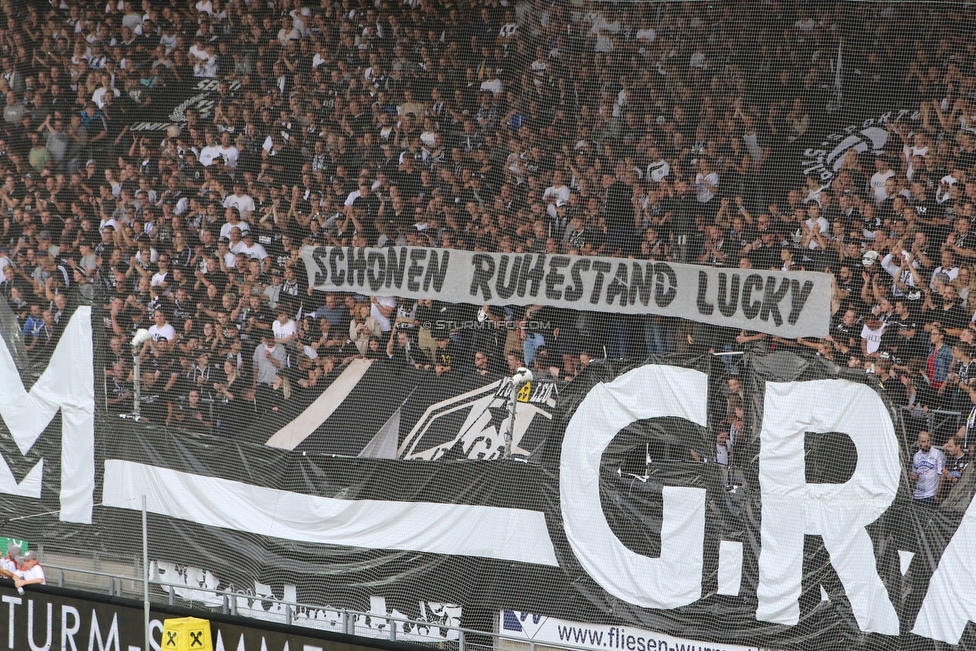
pixel 936 421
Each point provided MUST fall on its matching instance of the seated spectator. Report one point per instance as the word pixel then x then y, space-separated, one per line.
pixel 446 355
pixel 362 327
pixel 403 351
pixel 192 415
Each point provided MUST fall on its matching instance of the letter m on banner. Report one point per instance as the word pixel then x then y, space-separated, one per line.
pixel 67 384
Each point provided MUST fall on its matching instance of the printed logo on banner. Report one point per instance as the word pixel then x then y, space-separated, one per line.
pixel 521 622
pixel 201 102
pixel 870 134
pixel 473 424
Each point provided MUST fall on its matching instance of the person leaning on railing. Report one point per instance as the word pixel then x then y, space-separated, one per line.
pixel 30 572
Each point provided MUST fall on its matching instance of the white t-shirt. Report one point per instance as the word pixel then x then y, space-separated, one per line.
pixel 228 227
pixel 230 156
pixel 208 154
pixel 823 226
pixel 647 35
pixel 928 466
pixel 99 96
pixel 256 251
pixel 952 272
pixel 243 203
pixel 384 321
pixel 36 572
pixel 703 194
pixel 199 52
pixel 158 279
pixel 492 86
pixel 351 198
pixel 165 331
pixel 878 180
pixel 873 338
pixel 282 331
pixel 8 564
pixel 560 194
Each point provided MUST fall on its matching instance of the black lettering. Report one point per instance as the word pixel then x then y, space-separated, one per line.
pixel 320 255
pixel 375 269
pixel 415 270
pixel 436 273
pixel 484 269
pixel 704 307
pixel 618 286
pixel 575 292
pixel 395 265
pixel 728 307
pixel 535 274
pixel 600 267
pixel 338 277
pixel 641 283
pixel 749 307
pixel 664 276
pixel 771 299
pixel 554 279
pixel 506 290
pixel 356 264
pixel 798 297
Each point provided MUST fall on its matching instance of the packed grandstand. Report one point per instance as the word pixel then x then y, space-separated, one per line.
pixel 169 162
pixel 651 131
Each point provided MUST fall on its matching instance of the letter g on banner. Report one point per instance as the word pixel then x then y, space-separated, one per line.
pixel 674 579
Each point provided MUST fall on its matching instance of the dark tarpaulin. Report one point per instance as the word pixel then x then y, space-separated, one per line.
pixel 641 459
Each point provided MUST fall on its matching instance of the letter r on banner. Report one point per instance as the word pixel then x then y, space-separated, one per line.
pixel 674 579
pixel 838 513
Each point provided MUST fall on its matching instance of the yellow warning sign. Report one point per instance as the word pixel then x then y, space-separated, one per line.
pixel 187 634
pixel 524 392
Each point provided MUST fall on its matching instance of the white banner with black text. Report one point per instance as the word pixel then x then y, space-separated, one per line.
pixel 788 304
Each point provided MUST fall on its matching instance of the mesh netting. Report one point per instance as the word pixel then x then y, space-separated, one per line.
pixel 657 479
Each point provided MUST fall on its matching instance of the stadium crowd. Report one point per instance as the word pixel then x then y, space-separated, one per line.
pixel 663 131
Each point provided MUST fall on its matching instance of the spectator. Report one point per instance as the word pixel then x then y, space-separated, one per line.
pixel 939 359
pixel 928 465
pixel 231 400
pixel 446 355
pixel 333 311
pixel 30 571
pixel 956 461
pixel 325 131
pixel 284 328
pixel 362 327
pixel 405 352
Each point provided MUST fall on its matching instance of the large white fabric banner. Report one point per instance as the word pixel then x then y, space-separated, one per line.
pixel 788 304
